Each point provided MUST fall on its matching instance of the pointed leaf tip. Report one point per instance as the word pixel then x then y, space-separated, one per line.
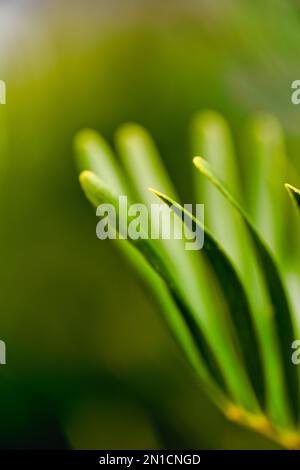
pixel 294 193
pixel 83 176
pixel 155 192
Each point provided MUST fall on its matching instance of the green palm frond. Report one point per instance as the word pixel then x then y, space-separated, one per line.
pixel 228 305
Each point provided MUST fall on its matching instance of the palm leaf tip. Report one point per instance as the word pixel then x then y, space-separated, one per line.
pixel 84 136
pixel 156 192
pixel 83 143
pixel 85 177
pixel 199 163
pixel 93 187
pixel 294 193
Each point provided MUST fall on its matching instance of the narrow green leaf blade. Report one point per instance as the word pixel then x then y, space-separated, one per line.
pixel 234 295
pixel 212 138
pixel 266 168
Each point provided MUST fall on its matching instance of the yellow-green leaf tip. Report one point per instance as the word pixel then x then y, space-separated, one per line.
pixel 294 193
pixel 291 188
pixel 199 163
pixel 130 134
pixel 154 191
pixel 85 176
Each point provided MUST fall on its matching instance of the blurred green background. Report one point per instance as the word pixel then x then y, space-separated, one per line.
pixel 90 363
